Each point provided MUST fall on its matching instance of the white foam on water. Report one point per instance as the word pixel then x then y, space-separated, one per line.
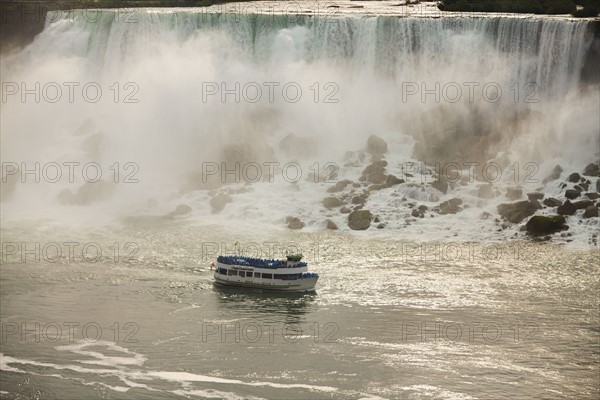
pixel 122 370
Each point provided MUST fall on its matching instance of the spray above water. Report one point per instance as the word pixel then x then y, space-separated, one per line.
pixel 175 100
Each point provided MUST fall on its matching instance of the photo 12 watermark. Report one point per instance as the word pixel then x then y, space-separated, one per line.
pixel 69 92
pixel 55 332
pixel 68 252
pixel 269 92
pixel 255 331
pixel 70 172
pixel 473 332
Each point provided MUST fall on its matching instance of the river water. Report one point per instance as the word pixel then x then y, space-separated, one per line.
pixel 105 285
pixel 389 320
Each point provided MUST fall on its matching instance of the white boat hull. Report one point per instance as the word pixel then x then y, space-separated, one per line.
pixel 296 285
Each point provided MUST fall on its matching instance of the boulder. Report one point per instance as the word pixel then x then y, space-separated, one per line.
pixel 440 185
pixel 485 215
pixel 554 175
pixel 592 170
pixel 219 202
pixel 591 211
pixel 592 195
pixel 535 196
pixel 572 194
pixel 552 202
pixel 181 209
pixel 582 204
pixel 486 191
pixel 566 209
pixel 359 220
pixel 294 223
pixel 361 199
pixel 374 172
pixel 332 202
pixel 345 210
pixel 331 225
pixel 339 186
pixel 517 212
pixel 545 225
pixel 376 145
pixel 574 177
pixel 451 206
pixel 88 193
pixel 514 193
pixel 392 180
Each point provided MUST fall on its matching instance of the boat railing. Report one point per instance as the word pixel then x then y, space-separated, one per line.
pixel 258 262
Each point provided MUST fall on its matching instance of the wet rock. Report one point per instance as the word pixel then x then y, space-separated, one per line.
pixel 332 202
pixel 592 170
pixel 376 219
pixel 514 193
pixel 578 188
pixel 361 199
pixel 554 175
pixel 451 206
pixel 517 212
pixel 339 186
pixel 574 177
pixel 485 215
pixel 582 204
pixel 345 210
pixel 592 195
pixel 572 194
pixel 376 145
pixel 535 196
pixel 88 193
pixel 331 225
pixel 415 213
pixel 598 185
pixel 552 202
pixel 566 209
pixel 294 223
pixel 536 204
pixel 591 211
pixel 219 202
pixel 544 225
pixel 380 226
pixel 181 209
pixel 375 172
pixel 440 185
pixel 392 180
pixel 585 185
pixel 486 191
pixel 359 220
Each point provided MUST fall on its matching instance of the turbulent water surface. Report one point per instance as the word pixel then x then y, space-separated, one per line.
pixel 211 126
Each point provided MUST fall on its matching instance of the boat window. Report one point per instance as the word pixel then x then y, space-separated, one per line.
pixel 267 276
pixel 242 274
pixel 231 272
pixel 257 274
pixel 222 271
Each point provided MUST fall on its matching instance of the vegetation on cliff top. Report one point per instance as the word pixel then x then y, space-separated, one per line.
pixel 590 8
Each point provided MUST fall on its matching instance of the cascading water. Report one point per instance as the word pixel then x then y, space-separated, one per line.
pixel 139 145
pixel 437 90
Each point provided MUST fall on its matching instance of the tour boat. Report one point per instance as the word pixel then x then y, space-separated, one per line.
pixel 289 275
